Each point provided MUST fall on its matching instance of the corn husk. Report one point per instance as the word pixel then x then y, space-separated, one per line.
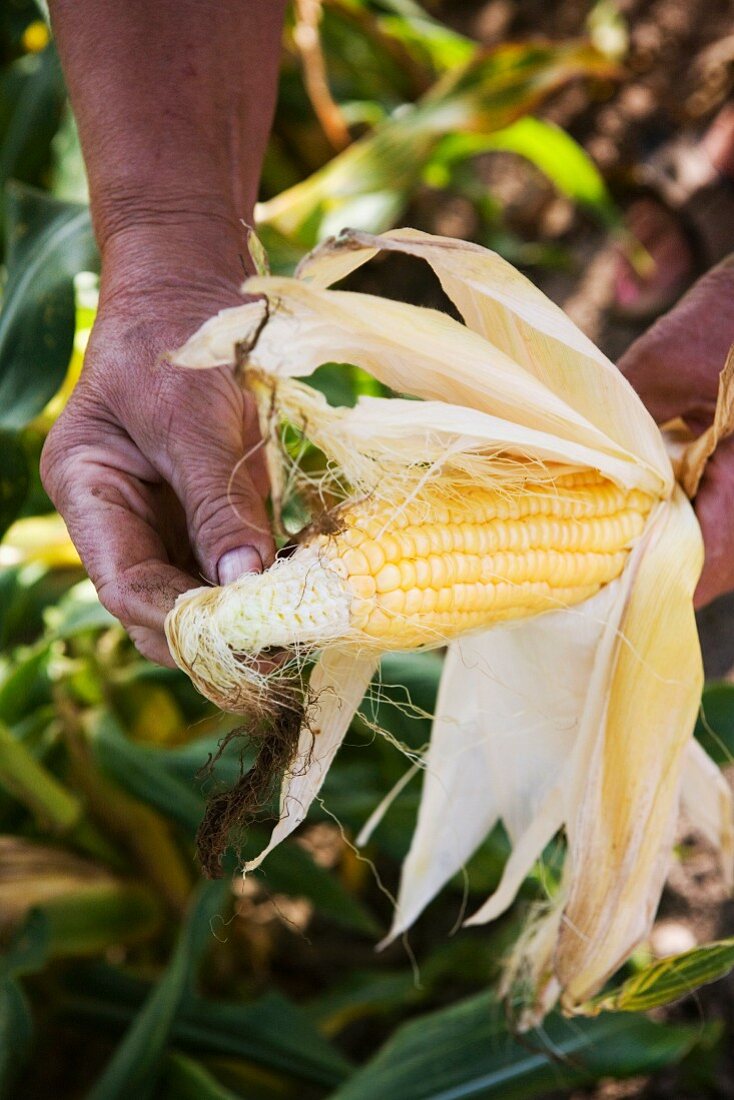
pixel 578 719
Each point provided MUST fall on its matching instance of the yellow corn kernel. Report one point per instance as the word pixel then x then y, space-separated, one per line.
pixel 484 556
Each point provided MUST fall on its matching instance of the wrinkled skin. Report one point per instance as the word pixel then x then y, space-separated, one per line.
pixel 675 369
pixel 144 464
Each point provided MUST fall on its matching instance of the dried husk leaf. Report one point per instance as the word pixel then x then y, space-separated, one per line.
pixel 693 458
pixel 627 794
pixel 601 739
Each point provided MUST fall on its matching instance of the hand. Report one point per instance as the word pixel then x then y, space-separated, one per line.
pixel 157 469
pixel 675 369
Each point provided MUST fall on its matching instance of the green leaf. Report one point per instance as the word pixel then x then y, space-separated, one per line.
pixel 715 725
pixel 667 979
pixel 14 479
pixel 269 1031
pixel 26 686
pixel 89 921
pixel 77 612
pixel 31 99
pixel 33 785
pixel 16 1033
pixel 443 47
pixel 86 921
pixel 95 918
pixel 558 156
pixel 185 1079
pixel 464 1051
pixel 138 769
pixel 136 1063
pixel 368 184
pixel 49 242
pixel 143 771
pixel 363 994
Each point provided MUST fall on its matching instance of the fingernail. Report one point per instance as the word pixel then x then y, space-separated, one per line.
pixel 245 559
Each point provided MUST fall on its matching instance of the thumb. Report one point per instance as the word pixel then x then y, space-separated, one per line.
pixel 226 518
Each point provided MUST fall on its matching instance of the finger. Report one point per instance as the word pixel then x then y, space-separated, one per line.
pixel 110 513
pixel 715 510
pixel 254 447
pixel 675 365
pixel 153 645
pixel 227 522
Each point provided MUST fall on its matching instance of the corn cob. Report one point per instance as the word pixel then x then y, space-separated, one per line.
pixel 528 478
pixel 440 566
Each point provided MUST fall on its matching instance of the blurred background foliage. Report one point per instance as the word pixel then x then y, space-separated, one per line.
pixel 120 968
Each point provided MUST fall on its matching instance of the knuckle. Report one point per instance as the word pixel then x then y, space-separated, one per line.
pixel 112 597
pixel 55 459
pixel 215 514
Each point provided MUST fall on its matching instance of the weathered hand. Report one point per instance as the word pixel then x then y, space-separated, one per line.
pixel 675 369
pixel 156 469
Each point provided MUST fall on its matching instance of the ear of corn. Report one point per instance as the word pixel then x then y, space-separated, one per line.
pixel 525 512
pixel 439 567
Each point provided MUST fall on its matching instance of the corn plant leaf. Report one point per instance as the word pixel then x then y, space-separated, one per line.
pixel 16 1033
pixel 138 770
pixel 362 994
pixel 94 918
pixel 27 685
pixel 464 1051
pixel 368 184
pixel 185 1079
pixel 142 770
pixel 87 921
pixel 269 1031
pixel 667 980
pixel 14 479
pixel 31 101
pixel 49 242
pixel 136 1063
pixel 558 156
pixel 715 725
pixel 440 45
